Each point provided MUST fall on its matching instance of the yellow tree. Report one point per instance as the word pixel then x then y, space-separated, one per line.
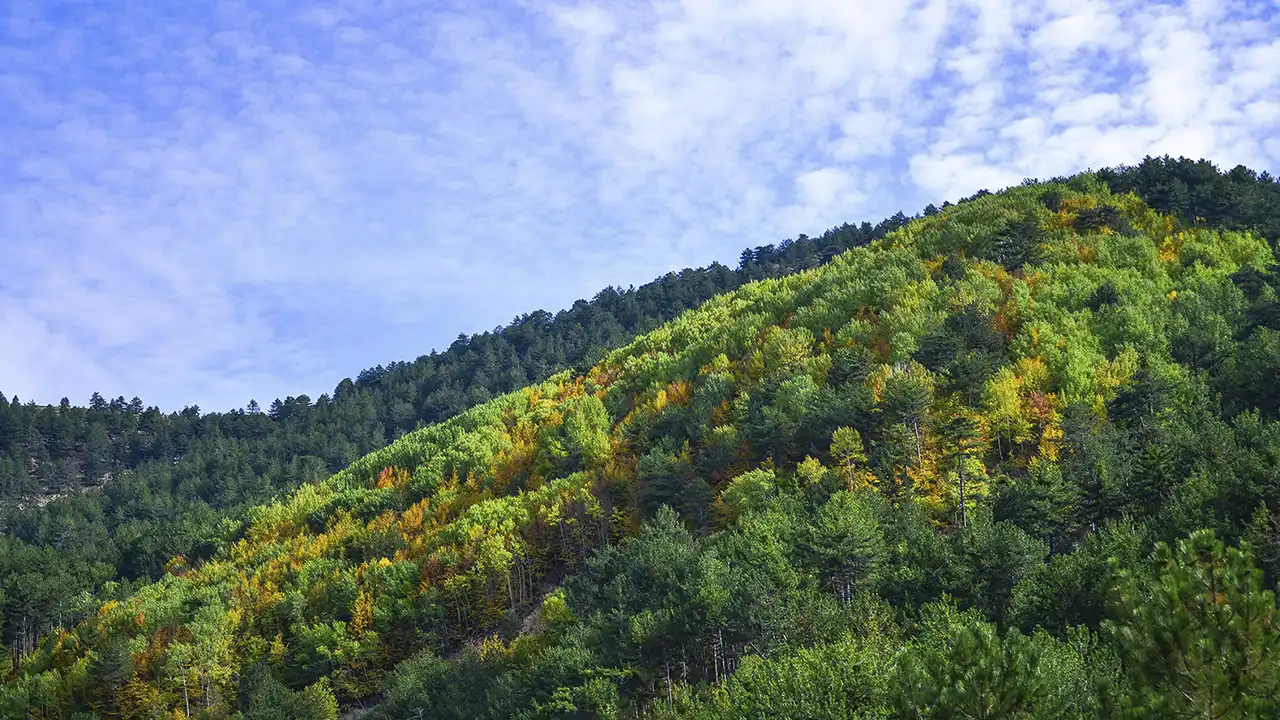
pixel 1002 405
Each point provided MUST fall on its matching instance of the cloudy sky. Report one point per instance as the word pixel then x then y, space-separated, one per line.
pixel 207 202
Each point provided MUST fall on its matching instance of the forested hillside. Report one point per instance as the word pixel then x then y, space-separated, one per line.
pixel 1019 458
pixel 111 492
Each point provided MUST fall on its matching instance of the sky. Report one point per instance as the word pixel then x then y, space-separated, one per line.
pixel 208 202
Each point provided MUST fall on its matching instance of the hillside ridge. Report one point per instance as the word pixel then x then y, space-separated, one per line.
pixel 953 387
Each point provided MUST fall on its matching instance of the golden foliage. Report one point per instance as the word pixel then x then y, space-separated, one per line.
pixel 679 392
pixel 392 478
pixel 361 614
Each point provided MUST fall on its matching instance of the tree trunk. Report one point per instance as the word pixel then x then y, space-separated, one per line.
pixel 564 542
pixel 915 430
pixel 717 651
pixel 511 596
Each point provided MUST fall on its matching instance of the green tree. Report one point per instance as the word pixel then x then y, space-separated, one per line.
pixel 749 492
pixel 962 668
pixel 847 543
pixel 905 399
pixel 850 456
pixel 1042 503
pixel 963 448
pixel 1196 634
pixel 269 699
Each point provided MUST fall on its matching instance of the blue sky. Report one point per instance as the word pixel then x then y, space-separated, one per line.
pixel 212 202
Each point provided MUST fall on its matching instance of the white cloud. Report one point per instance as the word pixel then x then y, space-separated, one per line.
pixel 1107 83
pixel 222 203
pixel 1181 68
pixel 1262 112
pixel 822 192
pixel 1077 26
pixel 1096 109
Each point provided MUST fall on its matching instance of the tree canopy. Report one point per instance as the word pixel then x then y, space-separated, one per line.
pixel 1019 457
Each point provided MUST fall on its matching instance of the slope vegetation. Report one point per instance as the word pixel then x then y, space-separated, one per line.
pixel 110 492
pixel 923 480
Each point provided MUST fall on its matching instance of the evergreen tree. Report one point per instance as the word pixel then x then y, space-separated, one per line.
pixel 1197 634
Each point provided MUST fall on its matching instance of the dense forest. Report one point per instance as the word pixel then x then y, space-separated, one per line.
pixel 111 492
pixel 1015 457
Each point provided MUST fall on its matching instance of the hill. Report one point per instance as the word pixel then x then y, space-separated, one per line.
pixel 112 491
pixel 914 463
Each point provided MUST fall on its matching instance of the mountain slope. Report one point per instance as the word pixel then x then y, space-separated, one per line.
pixel 109 493
pixel 177 482
pixel 984 405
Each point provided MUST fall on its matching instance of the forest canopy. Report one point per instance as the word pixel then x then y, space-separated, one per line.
pixel 1013 457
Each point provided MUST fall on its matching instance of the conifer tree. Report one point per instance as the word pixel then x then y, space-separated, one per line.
pixel 1197 634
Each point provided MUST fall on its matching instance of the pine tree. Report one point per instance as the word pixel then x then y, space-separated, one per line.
pixel 850 456
pixel 905 399
pixel 962 437
pixel 967 670
pixel 1197 634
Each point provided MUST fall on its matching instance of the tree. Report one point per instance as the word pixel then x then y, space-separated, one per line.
pixel 849 365
pixel 1196 633
pixel 847 544
pixel 844 680
pixel 586 433
pixel 962 668
pixel 850 456
pixel 963 446
pixel 1042 503
pixel 669 480
pixel 1018 244
pixel 110 671
pixel 97 453
pixel 269 699
pixel 1071 588
pixel 891 456
pixel 749 492
pixel 1002 405
pixel 905 399
pixel 653 598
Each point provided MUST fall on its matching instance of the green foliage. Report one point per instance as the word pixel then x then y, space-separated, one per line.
pixel 1042 502
pixel 749 492
pixel 961 667
pixel 839 681
pixel 847 543
pixel 900 484
pixel 1197 634
pixel 268 699
pixel 585 431
pixel 1070 589
pixel 850 456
